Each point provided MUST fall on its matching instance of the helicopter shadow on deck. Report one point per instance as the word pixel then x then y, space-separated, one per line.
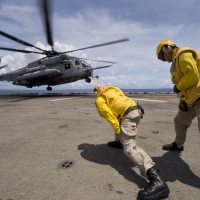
pixel 171 167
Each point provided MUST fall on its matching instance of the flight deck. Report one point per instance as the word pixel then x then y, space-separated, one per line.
pixel 55 147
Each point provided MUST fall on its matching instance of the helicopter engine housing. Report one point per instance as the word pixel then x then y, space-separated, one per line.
pixel 49 61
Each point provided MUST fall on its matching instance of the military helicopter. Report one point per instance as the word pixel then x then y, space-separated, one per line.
pixel 56 67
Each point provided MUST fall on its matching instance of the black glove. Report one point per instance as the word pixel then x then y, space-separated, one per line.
pixel 183 106
pixel 176 90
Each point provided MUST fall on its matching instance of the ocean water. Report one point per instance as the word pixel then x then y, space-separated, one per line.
pixel 81 91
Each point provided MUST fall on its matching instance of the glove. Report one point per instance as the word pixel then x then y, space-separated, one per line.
pixel 183 106
pixel 175 89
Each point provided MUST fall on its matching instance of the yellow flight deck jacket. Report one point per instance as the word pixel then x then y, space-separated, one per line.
pixel 111 104
pixel 185 74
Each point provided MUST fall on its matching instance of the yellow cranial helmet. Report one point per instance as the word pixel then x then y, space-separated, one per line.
pixel 99 88
pixel 160 45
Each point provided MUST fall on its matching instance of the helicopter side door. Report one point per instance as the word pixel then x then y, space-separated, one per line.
pixel 78 70
pixel 72 68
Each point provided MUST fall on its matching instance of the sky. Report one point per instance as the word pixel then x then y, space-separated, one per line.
pixel 77 24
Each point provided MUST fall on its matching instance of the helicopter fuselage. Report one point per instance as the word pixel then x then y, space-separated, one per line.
pixel 50 71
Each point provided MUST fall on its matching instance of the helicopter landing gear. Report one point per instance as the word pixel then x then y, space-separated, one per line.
pixel 49 88
pixel 88 80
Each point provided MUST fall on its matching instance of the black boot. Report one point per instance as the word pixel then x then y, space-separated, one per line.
pixel 116 144
pixel 156 188
pixel 172 147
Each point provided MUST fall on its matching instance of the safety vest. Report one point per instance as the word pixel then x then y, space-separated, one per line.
pixel 116 101
pixel 191 94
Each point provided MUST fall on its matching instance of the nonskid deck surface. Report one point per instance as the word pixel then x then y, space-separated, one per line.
pixel 55 147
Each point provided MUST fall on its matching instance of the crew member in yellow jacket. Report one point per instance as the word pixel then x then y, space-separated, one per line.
pixel 124 115
pixel 185 77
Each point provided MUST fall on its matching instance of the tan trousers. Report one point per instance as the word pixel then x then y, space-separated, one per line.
pixel 183 121
pixel 129 125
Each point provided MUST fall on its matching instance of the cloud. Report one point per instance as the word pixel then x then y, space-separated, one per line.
pixel 77 25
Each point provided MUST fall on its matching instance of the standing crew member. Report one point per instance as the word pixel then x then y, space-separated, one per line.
pixel 185 77
pixel 124 115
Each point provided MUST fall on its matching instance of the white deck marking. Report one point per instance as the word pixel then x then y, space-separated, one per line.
pixel 148 100
pixel 60 99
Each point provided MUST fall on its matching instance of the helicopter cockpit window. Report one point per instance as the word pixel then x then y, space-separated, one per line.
pixel 67 66
pixel 84 63
pixel 77 62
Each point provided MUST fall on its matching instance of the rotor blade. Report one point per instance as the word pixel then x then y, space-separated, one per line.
pixel 19 50
pixel 18 40
pixel 45 11
pixel 4 66
pixel 99 45
pixel 99 60
pixel 100 67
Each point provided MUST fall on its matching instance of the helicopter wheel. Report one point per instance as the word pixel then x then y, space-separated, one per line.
pixel 49 88
pixel 88 80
